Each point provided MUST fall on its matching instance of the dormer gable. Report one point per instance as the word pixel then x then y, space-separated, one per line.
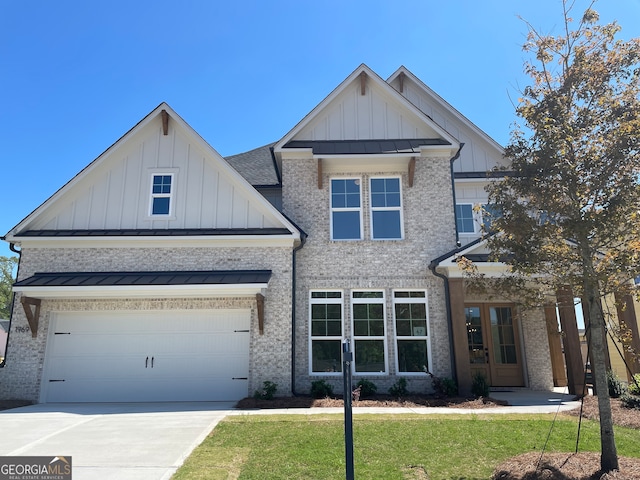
pixel 480 154
pixel 365 116
pixel 160 179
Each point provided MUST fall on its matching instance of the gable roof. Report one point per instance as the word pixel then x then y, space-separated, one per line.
pixel 257 166
pixel 364 108
pixel 211 195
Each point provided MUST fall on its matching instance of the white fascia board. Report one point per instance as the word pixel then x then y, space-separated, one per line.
pixel 144 291
pixel 488 269
pixel 222 241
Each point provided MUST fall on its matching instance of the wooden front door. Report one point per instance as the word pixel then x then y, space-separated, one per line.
pixel 494 344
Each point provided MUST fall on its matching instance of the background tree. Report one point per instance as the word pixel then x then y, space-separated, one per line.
pixel 7 277
pixel 570 211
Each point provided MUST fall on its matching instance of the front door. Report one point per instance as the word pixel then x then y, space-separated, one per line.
pixel 494 346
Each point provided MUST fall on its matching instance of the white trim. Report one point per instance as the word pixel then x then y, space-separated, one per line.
pixel 144 291
pixel 168 172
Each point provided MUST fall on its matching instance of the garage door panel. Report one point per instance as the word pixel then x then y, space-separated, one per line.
pixel 147 356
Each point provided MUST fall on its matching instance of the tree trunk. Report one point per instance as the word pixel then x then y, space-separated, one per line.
pixel 609 454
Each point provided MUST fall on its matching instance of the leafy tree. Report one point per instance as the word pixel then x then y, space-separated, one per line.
pixel 570 212
pixel 7 270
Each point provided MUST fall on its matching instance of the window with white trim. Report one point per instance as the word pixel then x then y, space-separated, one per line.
pixel 411 330
pixel 346 209
pixel 326 326
pixel 161 194
pixel 465 218
pixel 386 208
pixel 368 320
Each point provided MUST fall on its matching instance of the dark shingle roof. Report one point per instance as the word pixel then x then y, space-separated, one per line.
pixel 256 166
pixel 354 147
pixel 93 279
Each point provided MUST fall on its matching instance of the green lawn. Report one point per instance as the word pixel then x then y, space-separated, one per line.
pixel 387 447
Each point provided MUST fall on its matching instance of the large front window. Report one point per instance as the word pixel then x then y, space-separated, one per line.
pixel 411 325
pixel 346 209
pixel 386 209
pixel 326 331
pixel 367 308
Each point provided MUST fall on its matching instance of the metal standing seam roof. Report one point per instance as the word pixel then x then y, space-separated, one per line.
pixel 109 279
pixel 367 147
pixel 156 232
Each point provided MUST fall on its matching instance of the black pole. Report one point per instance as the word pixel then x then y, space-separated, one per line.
pixel 347 358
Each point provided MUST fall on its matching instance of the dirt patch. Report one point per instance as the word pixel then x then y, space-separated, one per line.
pixel 411 401
pixel 564 466
pixel 8 404
pixel 625 417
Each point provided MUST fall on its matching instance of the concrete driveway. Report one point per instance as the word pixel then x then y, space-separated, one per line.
pixel 111 441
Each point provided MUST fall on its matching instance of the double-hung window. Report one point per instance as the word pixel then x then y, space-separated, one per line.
pixel 346 209
pixel 464 218
pixel 161 191
pixel 367 314
pixel 386 208
pixel 412 331
pixel 326 331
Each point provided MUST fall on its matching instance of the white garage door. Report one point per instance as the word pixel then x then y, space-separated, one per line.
pixel 147 356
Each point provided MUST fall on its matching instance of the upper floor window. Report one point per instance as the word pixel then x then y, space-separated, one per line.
pixel 464 218
pixel 161 191
pixel 386 209
pixel 346 209
pixel 490 213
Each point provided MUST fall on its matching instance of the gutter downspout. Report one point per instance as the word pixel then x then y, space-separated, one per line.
pixel 303 239
pixel 433 265
pixel 12 247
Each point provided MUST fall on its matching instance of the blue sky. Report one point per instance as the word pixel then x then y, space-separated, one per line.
pixel 76 75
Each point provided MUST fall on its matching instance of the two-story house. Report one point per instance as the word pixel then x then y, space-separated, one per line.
pixel 163 271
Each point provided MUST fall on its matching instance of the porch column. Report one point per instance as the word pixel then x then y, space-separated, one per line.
pixel 459 333
pixel 571 341
pixel 628 319
pixel 555 346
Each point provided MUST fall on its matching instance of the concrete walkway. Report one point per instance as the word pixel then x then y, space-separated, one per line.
pixel 149 441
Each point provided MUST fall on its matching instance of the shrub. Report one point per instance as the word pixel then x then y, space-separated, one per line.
pixel 268 391
pixel 480 385
pixel 367 388
pixel 630 401
pixel 321 389
pixel 616 387
pixel 399 389
pixel 634 389
pixel 445 387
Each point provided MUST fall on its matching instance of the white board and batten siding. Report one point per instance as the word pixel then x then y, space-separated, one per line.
pixel 116 192
pixel 147 356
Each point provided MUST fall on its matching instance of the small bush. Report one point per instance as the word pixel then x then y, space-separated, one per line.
pixel 480 385
pixel 399 389
pixel 630 401
pixel 321 389
pixel 268 391
pixel 445 387
pixel 616 387
pixel 633 386
pixel 367 388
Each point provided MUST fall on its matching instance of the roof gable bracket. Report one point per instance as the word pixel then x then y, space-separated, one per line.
pixel 165 122
pixel 412 170
pixel 33 317
pixel 363 82
pixel 260 306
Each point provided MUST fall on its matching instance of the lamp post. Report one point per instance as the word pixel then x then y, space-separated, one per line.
pixel 347 358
